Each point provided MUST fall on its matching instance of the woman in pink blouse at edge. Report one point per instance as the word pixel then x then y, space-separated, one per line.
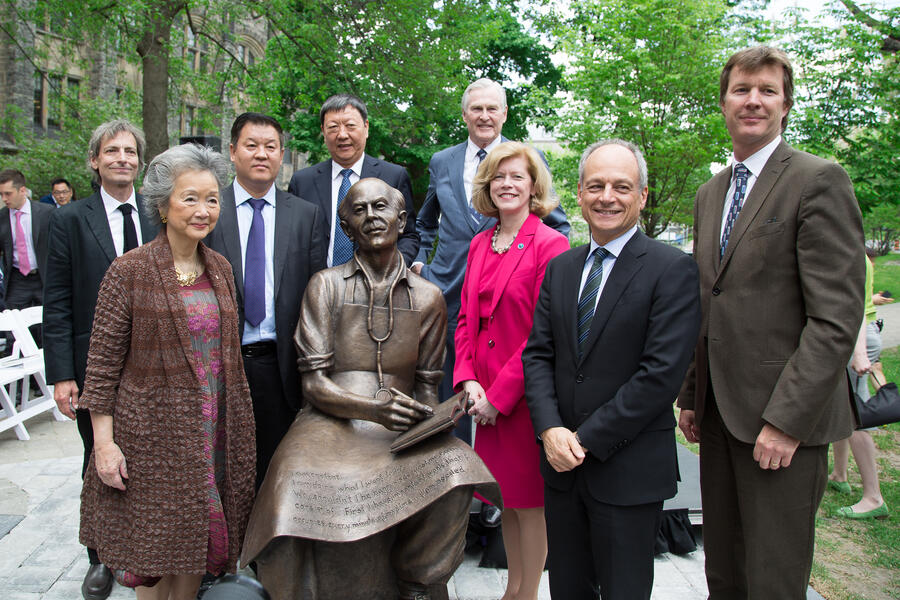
pixel 504 271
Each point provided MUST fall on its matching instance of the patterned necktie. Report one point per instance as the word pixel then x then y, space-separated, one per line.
pixel 255 267
pixel 476 216
pixel 742 174
pixel 588 300
pixel 22 246
pixel 343 247
pixel 128 231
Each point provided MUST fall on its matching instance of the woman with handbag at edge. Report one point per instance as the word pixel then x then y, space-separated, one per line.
pixel 865 355
pixel 168 490
pixel 504 272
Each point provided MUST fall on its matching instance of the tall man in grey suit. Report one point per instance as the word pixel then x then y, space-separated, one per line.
pixel 274 242
pixel 85 237
pixel 614 329
pixel 25 258
pixel 447 214
pixel 345 127
pixel 779 243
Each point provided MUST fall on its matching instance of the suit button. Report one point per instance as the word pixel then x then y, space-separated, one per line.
pixel 580 378
pixel 491 319
pixel 490 343
pixel 716 291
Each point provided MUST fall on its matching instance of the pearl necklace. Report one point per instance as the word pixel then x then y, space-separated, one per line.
pixel 496 237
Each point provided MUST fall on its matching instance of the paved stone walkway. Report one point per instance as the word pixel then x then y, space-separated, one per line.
pixel 41 559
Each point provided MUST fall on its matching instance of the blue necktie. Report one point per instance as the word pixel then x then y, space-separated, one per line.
pixel 255 267
pixel 475 214
pixel 588 300
pixel 343 247
pixel 742 174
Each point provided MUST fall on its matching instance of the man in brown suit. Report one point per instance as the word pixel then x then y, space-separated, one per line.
pixel 779 244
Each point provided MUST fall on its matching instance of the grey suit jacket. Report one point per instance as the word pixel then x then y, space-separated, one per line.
pixel 313 184
pixel 300 247
pixel 80 250
pixel 40 229
pixel 445 217
pixel 782 309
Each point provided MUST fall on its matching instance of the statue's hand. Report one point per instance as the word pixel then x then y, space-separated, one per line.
pixel 400 412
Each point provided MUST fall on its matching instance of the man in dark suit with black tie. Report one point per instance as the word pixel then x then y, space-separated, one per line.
pixel 25 257
pixel 614 329
pixel 779 243
pixel 274 242
pixel 85 237
pixel 448 217
pixel 345 127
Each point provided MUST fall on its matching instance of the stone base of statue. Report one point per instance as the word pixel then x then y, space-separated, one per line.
pixel 341 517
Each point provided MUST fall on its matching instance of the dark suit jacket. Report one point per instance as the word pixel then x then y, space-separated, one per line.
pixel 300 247
pixel 445 216
pixel 619 395
pixel 782 309
pixel 80 250
pixel 40 229
pixel 313 184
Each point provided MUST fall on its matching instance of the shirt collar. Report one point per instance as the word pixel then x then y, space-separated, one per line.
pixel 351 267
pixel 472 148
pixel 26 208
pixel 241 195
pixel 110 204
pixel 756 161
pixel 614 247
pixel 355 167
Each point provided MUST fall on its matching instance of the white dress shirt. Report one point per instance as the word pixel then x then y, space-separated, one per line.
pixel 265 331
pixel 117 219
pixel 754 163
pixel 614 248
pixel 336 179
pixel 470 167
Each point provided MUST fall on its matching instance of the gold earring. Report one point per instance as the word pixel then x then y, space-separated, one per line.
pixel 163 218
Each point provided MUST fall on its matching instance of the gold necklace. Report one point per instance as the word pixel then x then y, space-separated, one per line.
pixel 188 278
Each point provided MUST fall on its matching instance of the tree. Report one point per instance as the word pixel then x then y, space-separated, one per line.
pixel 645 71
pixel 882 223
pixel 890 32
pixel 409 60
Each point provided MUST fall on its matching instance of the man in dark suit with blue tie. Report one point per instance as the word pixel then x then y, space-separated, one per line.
pixel 614 330
pixel 85 237
pixel 274 242
pixel 447 214
pixel 345 127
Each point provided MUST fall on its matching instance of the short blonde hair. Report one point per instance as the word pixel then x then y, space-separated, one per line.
pixel 542 202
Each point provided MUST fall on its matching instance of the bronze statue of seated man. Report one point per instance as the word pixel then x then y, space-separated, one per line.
pixel 338 515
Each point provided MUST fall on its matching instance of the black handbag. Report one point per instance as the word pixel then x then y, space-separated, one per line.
pixel 882 408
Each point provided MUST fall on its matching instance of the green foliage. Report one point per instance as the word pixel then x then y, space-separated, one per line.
pixel 409 60
pixel 848 99
pixel 882 226
pixel 645 71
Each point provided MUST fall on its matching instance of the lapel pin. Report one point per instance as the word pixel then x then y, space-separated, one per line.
pixel 520 246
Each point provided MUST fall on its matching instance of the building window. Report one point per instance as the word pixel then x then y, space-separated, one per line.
pixel 54 102
pixel 39 99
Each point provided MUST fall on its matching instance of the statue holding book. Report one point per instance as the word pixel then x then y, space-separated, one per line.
pixel 341 515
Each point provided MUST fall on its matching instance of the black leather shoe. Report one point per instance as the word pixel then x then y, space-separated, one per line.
pixel 97 583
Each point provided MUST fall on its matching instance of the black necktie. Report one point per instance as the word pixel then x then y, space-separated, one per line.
pixel 130 235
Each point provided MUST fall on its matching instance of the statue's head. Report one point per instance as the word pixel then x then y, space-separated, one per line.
pixel 373 214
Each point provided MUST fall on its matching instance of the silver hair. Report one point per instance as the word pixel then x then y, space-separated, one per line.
pixel 481 84
pixel 166 167
pixel 111 129
pixel 638 156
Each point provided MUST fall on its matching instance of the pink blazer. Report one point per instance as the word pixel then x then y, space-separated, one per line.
pixel 512 311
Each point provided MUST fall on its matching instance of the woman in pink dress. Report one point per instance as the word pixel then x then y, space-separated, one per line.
pixel 504 271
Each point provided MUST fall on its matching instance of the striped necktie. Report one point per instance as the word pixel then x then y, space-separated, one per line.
pixel 588 300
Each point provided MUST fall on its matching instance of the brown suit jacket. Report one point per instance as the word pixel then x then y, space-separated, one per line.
pixel 142 370
pixel 782 309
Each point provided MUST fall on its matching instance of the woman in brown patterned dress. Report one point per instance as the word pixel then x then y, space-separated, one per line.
pixel 170 485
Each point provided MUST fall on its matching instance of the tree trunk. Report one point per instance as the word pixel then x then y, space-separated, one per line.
pixel 153 49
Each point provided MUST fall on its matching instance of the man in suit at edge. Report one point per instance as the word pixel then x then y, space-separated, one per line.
pixel 85 238
pixel 614 329
pixel 271 279
pixel 24 260
pixel 447 214
pixel 782 292
pixel 345 126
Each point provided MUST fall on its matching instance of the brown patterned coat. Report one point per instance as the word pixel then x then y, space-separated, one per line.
pixel 140 370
